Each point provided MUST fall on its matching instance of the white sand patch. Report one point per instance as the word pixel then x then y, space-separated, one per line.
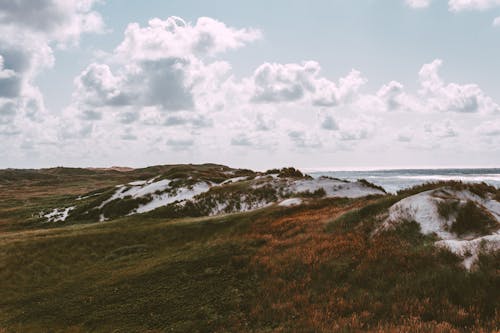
pixel 470 249
pixel 88 196
pixel 234 180
pixel 138 182
pixel 333 187
pixel 290 202
pixel 137 191
pixel 148 188
pixel 422 208
pixel 244 206
pixel 58 214
pixel 181 194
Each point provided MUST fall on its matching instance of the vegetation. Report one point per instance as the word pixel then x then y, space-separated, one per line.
pixel 471 219
pixel 447 208
pixel 480 189
pixel 291 173
pixel 318 267
pixel 369 184
pixel 319 193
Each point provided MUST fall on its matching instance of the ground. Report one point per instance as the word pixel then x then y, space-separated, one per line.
pixel 316 267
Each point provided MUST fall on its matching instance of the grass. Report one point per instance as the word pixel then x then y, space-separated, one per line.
pixel 317 267
pixel 26 193
pixel 275 269
pixel 132 275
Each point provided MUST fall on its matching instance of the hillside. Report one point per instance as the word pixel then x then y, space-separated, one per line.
pixel 204 248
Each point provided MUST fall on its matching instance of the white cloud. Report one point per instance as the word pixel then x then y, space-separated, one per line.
pixel 176 38
pixel 54 20
pixel 28 32
pixel 418 3
pixel 489 128
pixel 457 5
pixel 162 65
pixel 460 5
pixel 496 22
pixel 468 98
pixel 277 83
pixel 393 97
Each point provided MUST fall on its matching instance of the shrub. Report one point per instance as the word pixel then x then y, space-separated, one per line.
pixel 369 184
pixel 319 193
pixel 447 208
pixel 290 173
pixel 272 172
pixel 472 219
pixel 482 189
pixel 123 206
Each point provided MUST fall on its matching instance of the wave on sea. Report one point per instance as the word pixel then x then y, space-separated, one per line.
pixel 395 180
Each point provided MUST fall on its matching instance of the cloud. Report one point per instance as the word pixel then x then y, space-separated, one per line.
pixel 165 89
pixel 496 22
pixel 358 128
pixel 176 38
pixel 460 5
pixel 282 83
pixel 441 130
pixel 304 139
pixel 180 143
pixel 328 123
pixel 393 97
pixel 28 32
pixel 418 3
pixel 241 140
pixel 467 98
pixel 457 5
pixel 489 128
pixel 264 122
pixel 162 65
pixel 55 20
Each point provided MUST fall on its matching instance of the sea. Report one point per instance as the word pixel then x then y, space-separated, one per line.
pixel 395 180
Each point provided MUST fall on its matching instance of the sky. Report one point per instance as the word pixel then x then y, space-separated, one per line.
pixel 325 84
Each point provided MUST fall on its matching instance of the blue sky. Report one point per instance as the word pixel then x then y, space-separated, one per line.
pixel 423 92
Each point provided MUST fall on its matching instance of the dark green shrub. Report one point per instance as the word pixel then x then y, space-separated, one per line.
pixel 473 219
pixel 319 193
pixel 272 172
pixel 290 173
pixel 447 208
pixel 121 207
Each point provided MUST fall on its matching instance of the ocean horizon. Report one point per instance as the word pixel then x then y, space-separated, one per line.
pixel 393 180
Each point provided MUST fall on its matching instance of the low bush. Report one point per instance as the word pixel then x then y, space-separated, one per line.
pixel 471 219
pixel 290 173
pixel 447 208
pixel 121 207
pixel 319 193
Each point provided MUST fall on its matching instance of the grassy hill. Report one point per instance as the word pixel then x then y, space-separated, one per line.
pixel 319 267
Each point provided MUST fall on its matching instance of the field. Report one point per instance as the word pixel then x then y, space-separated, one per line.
pixel 319 267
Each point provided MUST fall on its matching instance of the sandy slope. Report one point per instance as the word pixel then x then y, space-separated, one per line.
pixel 423 209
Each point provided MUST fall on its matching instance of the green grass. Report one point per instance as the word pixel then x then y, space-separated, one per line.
pixel 184 275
